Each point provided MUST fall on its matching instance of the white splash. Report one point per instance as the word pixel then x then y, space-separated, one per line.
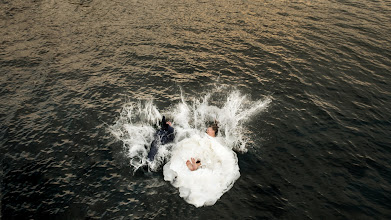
pixel 138 122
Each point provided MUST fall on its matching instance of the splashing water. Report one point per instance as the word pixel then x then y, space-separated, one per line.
pixel 136 127
pixel 138 123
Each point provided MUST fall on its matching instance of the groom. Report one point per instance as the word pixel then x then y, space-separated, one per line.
pixel 163 136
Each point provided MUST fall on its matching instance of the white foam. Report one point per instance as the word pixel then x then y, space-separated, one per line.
pixel 135 128
pixel 190 117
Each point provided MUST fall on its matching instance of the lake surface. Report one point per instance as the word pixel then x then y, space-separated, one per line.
pixel 321 150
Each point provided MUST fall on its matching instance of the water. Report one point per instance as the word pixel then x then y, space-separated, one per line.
pixel 321 149
pixel 219 170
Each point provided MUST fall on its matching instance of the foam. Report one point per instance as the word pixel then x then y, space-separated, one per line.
pixel 137 125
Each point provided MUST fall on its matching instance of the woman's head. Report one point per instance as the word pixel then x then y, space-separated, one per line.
pixel 213 129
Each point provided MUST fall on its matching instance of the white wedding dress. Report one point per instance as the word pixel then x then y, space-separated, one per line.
pixel 208 183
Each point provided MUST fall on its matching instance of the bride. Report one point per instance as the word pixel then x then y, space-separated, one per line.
pixel 194 164
pixel 219 169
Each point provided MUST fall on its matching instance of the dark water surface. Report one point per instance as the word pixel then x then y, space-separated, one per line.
pixel 321 151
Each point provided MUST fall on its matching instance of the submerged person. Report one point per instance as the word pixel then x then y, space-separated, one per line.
pixel 194 164
pixel 213 130
pixel 164 135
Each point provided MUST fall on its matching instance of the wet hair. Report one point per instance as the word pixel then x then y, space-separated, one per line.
pixel 215 127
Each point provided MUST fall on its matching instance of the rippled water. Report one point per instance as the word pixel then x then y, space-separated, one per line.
pixel 321 151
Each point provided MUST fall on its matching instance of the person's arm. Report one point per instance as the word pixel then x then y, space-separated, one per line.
pixel 170 128
pixel 170 132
